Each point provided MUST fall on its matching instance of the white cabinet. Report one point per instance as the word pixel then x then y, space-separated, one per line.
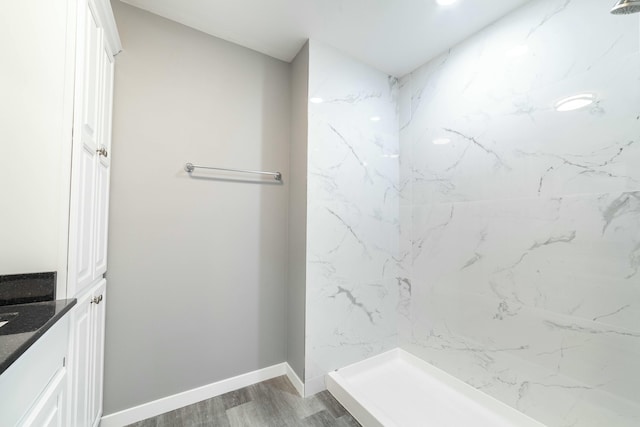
pixel 96 46
pixel 91 148
pixel 87 357
pixel 33 389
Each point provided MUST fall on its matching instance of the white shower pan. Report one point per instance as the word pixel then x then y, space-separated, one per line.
pixel 397 389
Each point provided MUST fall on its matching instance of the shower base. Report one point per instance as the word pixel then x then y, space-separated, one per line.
pixel 397 389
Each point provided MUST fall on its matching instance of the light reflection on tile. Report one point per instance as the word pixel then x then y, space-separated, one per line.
pixel 353 219
pixel 524 232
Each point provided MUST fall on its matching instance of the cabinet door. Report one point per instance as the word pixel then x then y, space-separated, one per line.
pixel 103 166
pixel 97 368
pixel 49 411
pixel 80 362
pixel 87 362
pixel 86 144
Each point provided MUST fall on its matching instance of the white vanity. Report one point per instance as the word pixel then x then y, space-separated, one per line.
pixel 34 387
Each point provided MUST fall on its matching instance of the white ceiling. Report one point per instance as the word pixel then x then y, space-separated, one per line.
pixel 394 36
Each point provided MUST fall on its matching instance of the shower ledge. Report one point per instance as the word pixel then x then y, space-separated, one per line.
pixel 397 389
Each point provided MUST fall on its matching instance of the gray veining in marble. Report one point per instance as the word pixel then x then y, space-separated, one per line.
pixel 352 231
pixel 521 236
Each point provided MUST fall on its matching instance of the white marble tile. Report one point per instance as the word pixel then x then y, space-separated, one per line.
pixel 525 228
pixel 543 152
pixel 404 270
pixel 577 255
pixel 559 345
pixel 353 222
pixel 498 111
pixel 509 257
pixel 554 399
pixel 405 133
pixel 553 281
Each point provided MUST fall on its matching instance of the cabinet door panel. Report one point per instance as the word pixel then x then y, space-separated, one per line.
pixel 49 411
pixel 102 220
pixel 85 238
pixel 85 145
pixel 97 371
pixel 91 86
pixel 103 167
pixel 106 104
pixel 81 362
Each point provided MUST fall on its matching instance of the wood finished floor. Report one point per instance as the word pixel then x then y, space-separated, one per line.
pixel 271 403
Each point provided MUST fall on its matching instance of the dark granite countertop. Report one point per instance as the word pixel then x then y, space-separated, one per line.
pixel 25 324
pixel 27 288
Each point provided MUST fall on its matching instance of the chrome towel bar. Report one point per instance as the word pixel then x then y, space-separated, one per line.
pixel 189 167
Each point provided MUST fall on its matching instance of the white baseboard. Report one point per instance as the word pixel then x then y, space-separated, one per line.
pixel 314 385
pixel 295 380
pixel 189 397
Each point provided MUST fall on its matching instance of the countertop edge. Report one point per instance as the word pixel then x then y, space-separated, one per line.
pixel 7 362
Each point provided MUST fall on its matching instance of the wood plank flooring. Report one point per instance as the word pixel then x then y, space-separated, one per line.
pixel 271 403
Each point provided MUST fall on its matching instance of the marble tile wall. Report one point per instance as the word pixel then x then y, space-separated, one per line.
pixel 352 213
pixel 520 238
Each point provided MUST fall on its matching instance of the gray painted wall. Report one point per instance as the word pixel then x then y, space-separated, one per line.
pixel 197 267
pixel 296 281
